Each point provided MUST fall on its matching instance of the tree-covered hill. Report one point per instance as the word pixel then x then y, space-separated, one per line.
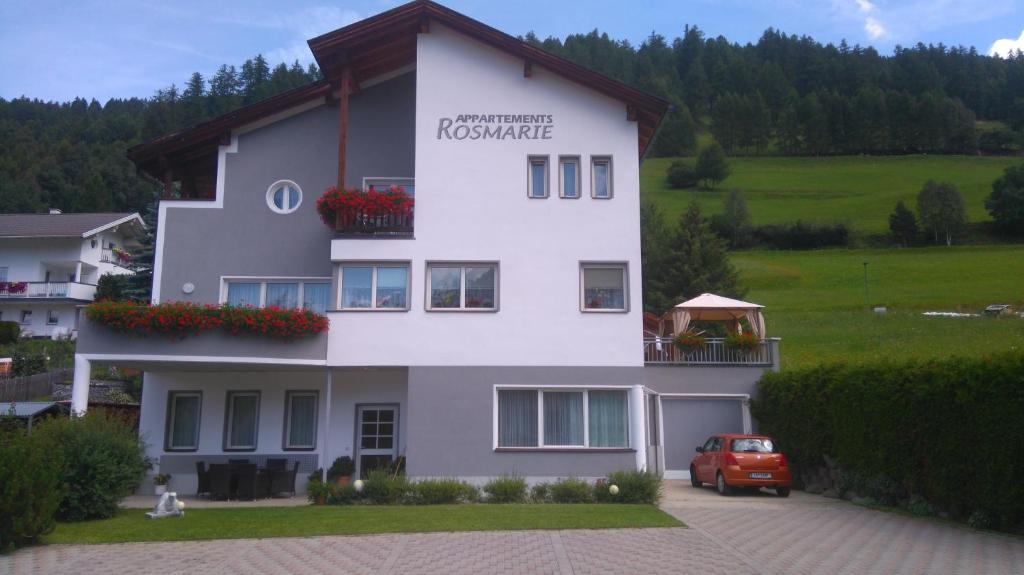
pixel 786 94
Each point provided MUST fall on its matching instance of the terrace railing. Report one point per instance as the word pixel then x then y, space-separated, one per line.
pixel 11 290
pixel 661 351
pixel 367 224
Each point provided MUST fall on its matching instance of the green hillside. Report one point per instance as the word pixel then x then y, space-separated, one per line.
pixel 858 190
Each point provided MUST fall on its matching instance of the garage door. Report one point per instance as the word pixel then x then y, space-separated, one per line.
pixel 688 422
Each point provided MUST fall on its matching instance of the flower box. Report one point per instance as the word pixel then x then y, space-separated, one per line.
pixel 355 212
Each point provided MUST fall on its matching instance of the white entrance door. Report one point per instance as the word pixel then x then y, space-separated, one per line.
pixel 377 441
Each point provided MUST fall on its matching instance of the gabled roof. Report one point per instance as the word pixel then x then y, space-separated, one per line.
pixel 65 225
pixel 712 301
pixel 385 43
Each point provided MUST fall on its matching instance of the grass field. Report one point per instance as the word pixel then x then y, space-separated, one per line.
pixel 258 522
pixel 816 302
pixel 858 190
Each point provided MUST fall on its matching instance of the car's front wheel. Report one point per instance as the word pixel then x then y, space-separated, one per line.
pixel 782 491
pixel 721 486
pixel 693 478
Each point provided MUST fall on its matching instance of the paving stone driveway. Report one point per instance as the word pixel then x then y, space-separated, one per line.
pixel 740 535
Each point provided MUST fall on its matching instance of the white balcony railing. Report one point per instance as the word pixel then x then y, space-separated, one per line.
pixel 661 351
pixel 44 290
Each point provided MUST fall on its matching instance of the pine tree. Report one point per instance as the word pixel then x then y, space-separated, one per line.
pixel 712 166
pixel 140 285
pixel 903 224
pixel 696 262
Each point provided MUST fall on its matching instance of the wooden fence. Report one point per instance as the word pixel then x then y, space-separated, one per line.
pixel 32 387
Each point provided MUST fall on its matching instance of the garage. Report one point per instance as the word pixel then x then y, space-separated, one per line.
pixel 687 420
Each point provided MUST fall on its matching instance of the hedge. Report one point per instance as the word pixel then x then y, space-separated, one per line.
pixel 30 485
pixel 950 432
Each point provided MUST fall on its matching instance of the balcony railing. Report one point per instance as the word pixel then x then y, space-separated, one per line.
pixel 116 257
pixel 661 351
pixel 42 290
pixel 361 223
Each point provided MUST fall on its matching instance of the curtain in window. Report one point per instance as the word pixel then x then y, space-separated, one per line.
pixel 356 286
pixel 609 417
pixel 243 294
pixel 184 421
pixel 301 420
pixel 392 285
pixel 563 418
pixel 243 421
pixel 284 296
pixel 315 296
pixel 517 418
pixel 603 288
pixel 480 287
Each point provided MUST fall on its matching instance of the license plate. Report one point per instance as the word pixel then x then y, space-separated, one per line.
pixel 760 475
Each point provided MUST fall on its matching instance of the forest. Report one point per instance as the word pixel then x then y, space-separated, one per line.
pixel 783 94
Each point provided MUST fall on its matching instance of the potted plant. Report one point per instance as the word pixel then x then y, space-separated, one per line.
pixel 341 470
pixel 743 342
pixel 689 342
pixel 160 481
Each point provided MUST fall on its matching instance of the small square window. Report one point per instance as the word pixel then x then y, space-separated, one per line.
pixel 52 317
pixel 569 177
pixel 603 287
pixel 537 185
pixel 26 316
pixel 601 177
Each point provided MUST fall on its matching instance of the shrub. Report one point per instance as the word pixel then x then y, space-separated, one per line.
pixel 383 488
pixel 634 487
pixel 742 341
pixel 712 166
pixel 317 491
pixel 801 235
pixel 1006 202
pixel 681 174
pixel 112 287
pixel 342 466
pixel 506 489
pixel 10 331
pixel 444 490
pixel 342 494
pixel 540 493
pixel 572 490
pixel 28 363
pixel 103 461
pixel 30 486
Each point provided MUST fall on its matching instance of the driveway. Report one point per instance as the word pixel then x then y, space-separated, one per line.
pixel 743 534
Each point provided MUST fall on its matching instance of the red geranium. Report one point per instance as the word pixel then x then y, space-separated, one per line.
pixel 353 207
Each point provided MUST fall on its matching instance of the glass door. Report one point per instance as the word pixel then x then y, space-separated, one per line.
pixel 377 441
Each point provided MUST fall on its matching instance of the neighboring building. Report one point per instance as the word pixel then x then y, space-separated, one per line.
pixel 50 263
pixel 500 331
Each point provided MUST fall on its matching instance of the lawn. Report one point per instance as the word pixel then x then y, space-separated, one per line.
pixel 816 303
pixel 858 190
pixel 260 522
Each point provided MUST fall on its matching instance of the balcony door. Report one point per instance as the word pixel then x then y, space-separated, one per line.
pixel 376 437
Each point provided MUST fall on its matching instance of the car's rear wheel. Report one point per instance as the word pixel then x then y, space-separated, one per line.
pixel 721 486
pixel 782 491
pixel 693 478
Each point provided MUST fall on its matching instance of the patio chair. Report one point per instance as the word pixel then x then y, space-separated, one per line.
pixel 202 479
pixel 245 475
pixel 219 481
pixel 283 480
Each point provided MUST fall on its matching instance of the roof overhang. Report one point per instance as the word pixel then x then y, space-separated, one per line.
pixel 133 221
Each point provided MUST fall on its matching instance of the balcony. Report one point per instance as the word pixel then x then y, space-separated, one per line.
pixel 385 212
pixel 115 256
pixel 374 225
pixel 47 290
pixel 661 351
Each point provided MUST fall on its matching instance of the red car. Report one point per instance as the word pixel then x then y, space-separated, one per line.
pixel 729 461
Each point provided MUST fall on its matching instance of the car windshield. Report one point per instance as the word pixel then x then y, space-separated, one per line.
pixel 753 445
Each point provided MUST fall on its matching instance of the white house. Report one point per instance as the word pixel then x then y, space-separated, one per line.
pixel 50 263
pixel 498 330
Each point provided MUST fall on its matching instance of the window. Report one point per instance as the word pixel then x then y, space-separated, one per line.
pixel 241 421
pixel 183 411
pixel 452 286
pixel 601 177
pixel 383 184
pixel 375 286
pixel 314 295
pixel 26 316
pixel 537 185
pixel 300 419
pixel 557 418
pixel 52 317
pixel 569 177
pixel 603 287
pixel 284 196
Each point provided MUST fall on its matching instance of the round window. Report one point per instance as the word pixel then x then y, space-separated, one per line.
pixel 284 196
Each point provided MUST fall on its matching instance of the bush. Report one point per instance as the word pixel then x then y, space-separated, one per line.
pixel 383 488
pixel 506 489
pixel 317 491
pixel 30 486
pixel 103 461
pixel 681 174
pixel 801 235
pixel 28 363
pixel 540 493
pixel 572 490
pixel 712 166
pixel 634 487
pixel 900 430
pixel 342 494
pixel 444 490
pixel 1006 202
pixel 342 466
pixel 112 287
pixel 10 331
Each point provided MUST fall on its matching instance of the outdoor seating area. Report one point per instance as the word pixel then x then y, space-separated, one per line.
pixel 238 479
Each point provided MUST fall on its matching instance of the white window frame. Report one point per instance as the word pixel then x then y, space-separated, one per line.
pixel 264 280
pixel 462 285
pixel 340 275
pixel 624 266
pixel 168 434
pixel 530 161
pixel 602 159
pixel 541 446
pixel 52 317
pixel 288 208
pixel 289 395
pixel 562 160
pixel 229 411
pixel 26 317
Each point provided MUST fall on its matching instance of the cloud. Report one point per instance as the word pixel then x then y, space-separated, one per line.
pixel 874 28
pixel 908 20
pixel 866 12
pixel 1006 46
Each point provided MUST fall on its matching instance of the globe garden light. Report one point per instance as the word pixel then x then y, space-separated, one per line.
pixel 358 485
pixel 614 490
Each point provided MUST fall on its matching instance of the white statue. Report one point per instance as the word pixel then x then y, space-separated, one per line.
pixel 168 506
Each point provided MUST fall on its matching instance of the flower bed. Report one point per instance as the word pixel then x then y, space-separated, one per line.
pixel 183 319
pixel 366 212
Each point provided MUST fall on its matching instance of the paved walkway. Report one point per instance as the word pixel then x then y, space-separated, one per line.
pixel 743 534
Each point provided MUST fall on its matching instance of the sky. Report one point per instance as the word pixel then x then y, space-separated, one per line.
pixel 119 48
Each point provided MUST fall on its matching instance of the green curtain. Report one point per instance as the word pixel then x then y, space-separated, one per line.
pixel 609 418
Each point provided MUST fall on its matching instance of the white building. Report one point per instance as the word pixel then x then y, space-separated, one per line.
pixel 50 263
